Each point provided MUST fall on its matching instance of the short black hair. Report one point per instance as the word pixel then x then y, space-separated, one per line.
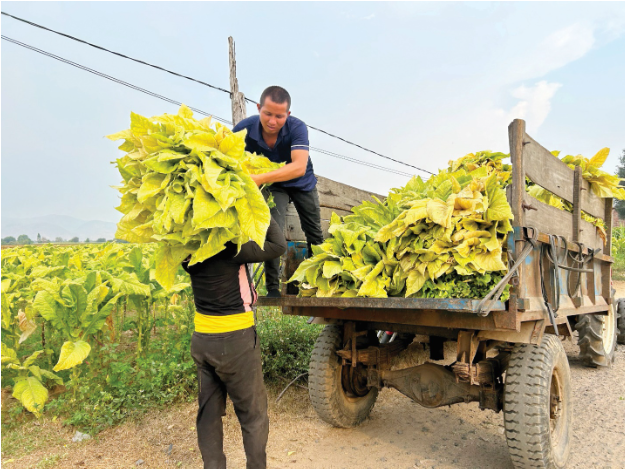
pixel 277 94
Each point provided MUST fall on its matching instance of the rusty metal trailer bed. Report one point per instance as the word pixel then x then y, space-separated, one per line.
pixel 509 355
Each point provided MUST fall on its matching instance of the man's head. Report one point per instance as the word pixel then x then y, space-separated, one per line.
pixel 274 108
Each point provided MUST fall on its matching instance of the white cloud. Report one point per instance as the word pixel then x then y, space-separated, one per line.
pixel 487 127
pixel 555 51
pixel 613 28
pixel 535 103
pixel 369 17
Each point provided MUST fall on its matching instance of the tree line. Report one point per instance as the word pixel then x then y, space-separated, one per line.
pixel 26 240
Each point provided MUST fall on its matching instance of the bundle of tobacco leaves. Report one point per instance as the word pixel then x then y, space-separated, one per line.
pixel 187 185
pixel 437 238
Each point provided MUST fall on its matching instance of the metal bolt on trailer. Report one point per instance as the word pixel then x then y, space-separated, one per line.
pixel 509 354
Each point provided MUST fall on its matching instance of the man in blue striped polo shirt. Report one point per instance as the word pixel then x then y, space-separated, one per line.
pixel 284 139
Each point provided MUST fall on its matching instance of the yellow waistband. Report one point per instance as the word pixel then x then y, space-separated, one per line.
pixel 223 323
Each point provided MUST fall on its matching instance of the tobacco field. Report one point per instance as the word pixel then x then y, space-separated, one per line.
pixel 90 337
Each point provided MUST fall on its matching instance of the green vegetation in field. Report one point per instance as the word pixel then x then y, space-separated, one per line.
pixel 89 336
pixel 618 252
pixel 286 343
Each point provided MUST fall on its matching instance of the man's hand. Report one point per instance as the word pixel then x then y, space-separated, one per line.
pixel 257 179
pixel 295 169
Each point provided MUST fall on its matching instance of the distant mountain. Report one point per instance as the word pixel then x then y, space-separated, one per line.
pixel 52 226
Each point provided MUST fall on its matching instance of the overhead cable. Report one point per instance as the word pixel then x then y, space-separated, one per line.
pixel 199 111
pixel 205 84
pixel 113 79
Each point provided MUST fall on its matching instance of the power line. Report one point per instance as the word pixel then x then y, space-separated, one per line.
pixel 113 79
pixel 199 111
pixel 360 162
pixel 205 84
pixel 113 52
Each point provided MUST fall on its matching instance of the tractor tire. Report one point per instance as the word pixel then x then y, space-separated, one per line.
pixel 333 403
pixel 597 338
pixel 620 320
pixel 537 407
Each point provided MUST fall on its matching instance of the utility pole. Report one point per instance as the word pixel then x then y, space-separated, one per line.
pixel 238 104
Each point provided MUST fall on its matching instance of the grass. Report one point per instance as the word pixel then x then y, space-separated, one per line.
pixel 618 252
pixel 49 461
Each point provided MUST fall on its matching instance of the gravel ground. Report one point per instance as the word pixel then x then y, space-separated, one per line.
pixel 398 434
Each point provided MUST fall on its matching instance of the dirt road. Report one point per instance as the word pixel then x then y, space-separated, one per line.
pixel 399 433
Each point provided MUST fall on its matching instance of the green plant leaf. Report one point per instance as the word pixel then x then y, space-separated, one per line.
pixel 72 354
pixel 9 356
pixel 32 394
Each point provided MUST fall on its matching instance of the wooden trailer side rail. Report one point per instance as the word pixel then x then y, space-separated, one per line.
pixel 334 197
pixel 531 160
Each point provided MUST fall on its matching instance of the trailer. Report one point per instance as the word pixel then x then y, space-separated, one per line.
pixel 510 356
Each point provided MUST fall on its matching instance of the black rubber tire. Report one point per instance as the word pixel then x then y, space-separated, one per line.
pixel 326 392
pixel 620 320
pixel 533 372
pixel 592 349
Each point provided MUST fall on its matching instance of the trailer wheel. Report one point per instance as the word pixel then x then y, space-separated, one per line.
pixel 597 338
pixel 620 314
pixel 537 406
pixel 335 402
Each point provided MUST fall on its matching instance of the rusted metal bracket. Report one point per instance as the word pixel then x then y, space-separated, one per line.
pixel 380 356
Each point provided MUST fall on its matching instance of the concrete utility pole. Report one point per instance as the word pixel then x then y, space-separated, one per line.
pixel 238 104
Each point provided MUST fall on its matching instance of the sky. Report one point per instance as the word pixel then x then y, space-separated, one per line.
pixel 421 82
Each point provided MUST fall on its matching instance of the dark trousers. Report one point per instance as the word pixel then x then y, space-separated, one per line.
pixel 308 208
pixel 230 363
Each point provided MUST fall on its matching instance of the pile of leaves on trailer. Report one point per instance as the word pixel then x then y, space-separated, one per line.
pixel 602 184
pixel 438 238
pixel 188 186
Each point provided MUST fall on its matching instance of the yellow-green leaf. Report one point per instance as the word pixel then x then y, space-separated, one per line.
pixel 32 394
pixel 253 213
pixel 214 245
pixel 72 354
pixel 233 145
pixel 9 356
pixel 201 142
pixel 599 159
pixel 185 112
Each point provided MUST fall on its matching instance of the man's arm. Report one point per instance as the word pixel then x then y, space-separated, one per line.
pixel 299 154
pixel 274 246
pixel 296 169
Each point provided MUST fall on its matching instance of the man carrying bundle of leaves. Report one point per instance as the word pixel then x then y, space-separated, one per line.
pixel 226 349
pixel 284 139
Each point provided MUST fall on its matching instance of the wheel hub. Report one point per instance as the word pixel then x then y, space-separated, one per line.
pixel 555 405
pixel 609 329
pixel 355 380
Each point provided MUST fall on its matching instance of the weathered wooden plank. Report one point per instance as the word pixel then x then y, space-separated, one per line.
pixel 550 220
pixel 590 203
pixel 577 182
pixel 516 191
pixel 516 137
pixel 606 268
pixel 293 231
pixel 551 173
pixel 325 212
pixel 341 196
pixel 334 197
pixel 547 171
